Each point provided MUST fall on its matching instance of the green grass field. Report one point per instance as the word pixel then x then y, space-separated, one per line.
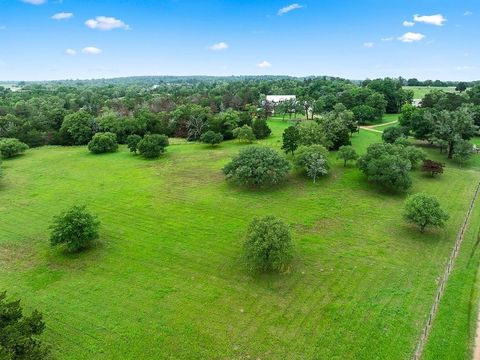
pixel 420 91
pixel 166 280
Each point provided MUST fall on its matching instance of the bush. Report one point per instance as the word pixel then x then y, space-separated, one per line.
pixel 132 142
pixel 347 153
pixel 260 128
pixel 103 143
pixel 387 165
pixel 432 167
pixel 424 210
pixel 10 147
pixel 268 246
pixel 312 160
pixel 257 166
pixel 78 127
pixel 311 133
pixel 151 146
pixel 290 137
pixel 244 134
pixel 19 334
pixel 211 137
pixel 75 228
pixel 462 151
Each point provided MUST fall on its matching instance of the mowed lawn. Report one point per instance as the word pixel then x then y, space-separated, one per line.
pixel 166 279
pixel 419 92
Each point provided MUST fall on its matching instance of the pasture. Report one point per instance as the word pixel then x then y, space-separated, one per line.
pixel 166 278
pixel 419 92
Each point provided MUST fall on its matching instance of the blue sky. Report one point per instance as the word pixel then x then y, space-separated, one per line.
pixel 348 38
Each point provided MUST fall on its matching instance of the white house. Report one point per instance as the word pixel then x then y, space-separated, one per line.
pixel 417 102
pixel 275 99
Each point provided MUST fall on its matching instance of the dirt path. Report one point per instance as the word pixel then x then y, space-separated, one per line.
pixel 372 127
pixel 476 351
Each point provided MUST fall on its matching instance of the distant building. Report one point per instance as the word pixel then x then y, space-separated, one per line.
pixel 417 102
pixel 275 99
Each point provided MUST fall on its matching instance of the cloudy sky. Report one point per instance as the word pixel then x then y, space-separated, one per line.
pixel 70 39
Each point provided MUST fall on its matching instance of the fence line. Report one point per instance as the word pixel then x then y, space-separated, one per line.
pixel 441 287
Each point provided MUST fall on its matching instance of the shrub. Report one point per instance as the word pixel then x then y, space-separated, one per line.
pixel 103 143
pixel 10 147
pixel 268 246
pixel 347 153
pixel 432 167
pixel 211 137
pixel 424 210
pixel 387 165
pixel 19 334
pixel 132 142
pixel 305 151
pixel 462 151
pixel 151 146
pixel 311 133
pixel 415 155
pixel 244 134
pixel 78 127
pixel 75 228
pixel 257 166
pixel 260 128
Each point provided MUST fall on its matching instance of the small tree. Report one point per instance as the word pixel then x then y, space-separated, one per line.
pixel 132 142
pixel 260 128
pixel 257 166
pixel 424 210
pixel 19 334
pixel 392 133
pixel 415 155
pixel 463 151
pixel 312 160
pixel 212 138
pixel 291 137
pixel 75 228
pixel 10 147
pixel 268 246
pixel 432 167
pixel 244 134
pixel 103 143
pixel 151 146
pixel 347 153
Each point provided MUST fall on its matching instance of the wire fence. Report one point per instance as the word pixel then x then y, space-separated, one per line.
pixel 443 282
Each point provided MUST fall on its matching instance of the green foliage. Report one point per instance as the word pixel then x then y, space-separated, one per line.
pixel 290 137
pixel 19 334
pixel 11 147
pixel 414 154
pixel 244 134
pixel 268 245
pixel 311 133
pixel 151 146
pixel 392 133
pixel 103 143
pixel 424 210
pixel 462 151
pixel 260 128
pixel 132 142
pixel 257 166
pixel 312 160
pixel 337 126
pixel 78 128
pixel 75 228
pixel 347 153
pixel 224 123
pixel 212 138
pixel 387 165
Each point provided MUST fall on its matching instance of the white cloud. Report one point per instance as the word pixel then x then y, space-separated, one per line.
pixel 91 50
pixel 411 37
pixel 70 52
pixel 408 23
pixel 62 16
pixel 35 2
pixel 264 65
pixel 219 46
pixel 368 44
pixel 465 67
pixel 437 19
pixel 106 23
pixel 287 9
pixel 467 13
pixel 390 38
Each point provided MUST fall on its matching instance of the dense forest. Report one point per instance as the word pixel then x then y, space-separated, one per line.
pixel 71 112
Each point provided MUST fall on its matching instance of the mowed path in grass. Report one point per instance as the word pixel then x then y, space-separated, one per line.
pixel 166 280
